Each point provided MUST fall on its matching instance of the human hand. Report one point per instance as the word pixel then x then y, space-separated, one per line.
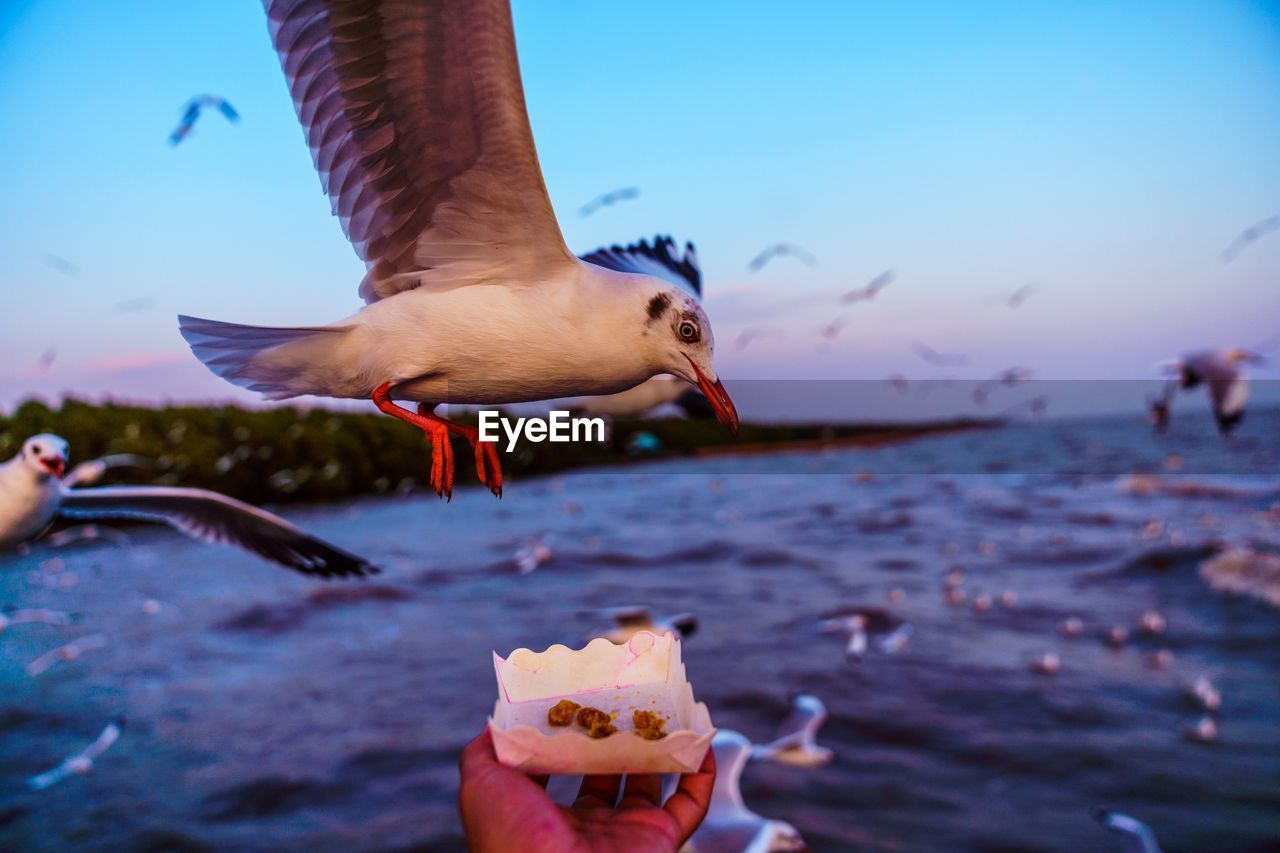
pixel 503 809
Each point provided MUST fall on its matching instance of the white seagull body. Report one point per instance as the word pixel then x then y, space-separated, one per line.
pixel 731 827
pixel 81 762
pixel 33 616
pixel 797 743
pixel 416 120
pixel 1220 372
pixel 32 494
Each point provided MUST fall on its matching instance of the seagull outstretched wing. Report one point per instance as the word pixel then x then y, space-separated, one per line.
pixel 81 761
pixel 211 517
pixel 416 120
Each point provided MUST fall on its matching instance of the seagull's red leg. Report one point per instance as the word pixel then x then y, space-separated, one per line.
pixel 488 469
pixel 436 431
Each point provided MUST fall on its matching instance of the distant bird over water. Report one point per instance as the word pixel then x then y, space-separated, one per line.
pixel 194 108
pixel 796 743
pixel 778 250
pixel 1249 236
pixel 1220 372
pixel 416 119
pixel 81 762
pixel 608 199
pixel 33 493
pixel 630 620
pixel 1132 835
pixel 939 359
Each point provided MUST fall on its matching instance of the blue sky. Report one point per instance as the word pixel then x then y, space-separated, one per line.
pixel 1106 152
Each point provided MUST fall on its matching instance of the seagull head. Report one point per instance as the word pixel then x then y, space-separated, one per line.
pixel 681 333
pixel 46 454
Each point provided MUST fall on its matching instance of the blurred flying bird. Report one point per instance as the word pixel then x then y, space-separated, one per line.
pixel 899 383
pixel 1220 372
pixel 778 250
pixel 873 287
pixel 1008 378
pixel 61 265
pixel 796 743
pixel 46 360
pixel 1205 730
pixel 81 762
pixel 33 616
pixel 861 624
pixel 939 359
pixel 417 124
pixel 1019 296
pixel 1204 694
pixel 607 199
pixel 191 113
pixel 32 494
pixel 533 552
pixel 731 827
pixel 1250 235
pixel 630 620
pixel 832 330
pixel 1132 835
pixel 66 653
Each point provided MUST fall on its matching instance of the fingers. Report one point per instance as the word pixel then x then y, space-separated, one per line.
pixel 597 791
pixel 688 805
pixel 644 790
pixel 478 756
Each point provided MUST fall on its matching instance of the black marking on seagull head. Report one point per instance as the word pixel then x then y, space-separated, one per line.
pixel 657 305
pixel 661 259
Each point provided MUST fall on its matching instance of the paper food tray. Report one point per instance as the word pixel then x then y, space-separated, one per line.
pixel 645 673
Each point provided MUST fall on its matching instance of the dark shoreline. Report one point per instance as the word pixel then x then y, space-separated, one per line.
pixel 288 455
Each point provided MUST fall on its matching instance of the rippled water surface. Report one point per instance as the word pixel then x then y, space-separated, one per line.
pixel 268 711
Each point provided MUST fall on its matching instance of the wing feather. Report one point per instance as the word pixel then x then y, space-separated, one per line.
pixel 215 518
pixel 415 115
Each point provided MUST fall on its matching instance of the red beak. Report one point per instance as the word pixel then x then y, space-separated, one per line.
pixel 714 392
pixel 55 466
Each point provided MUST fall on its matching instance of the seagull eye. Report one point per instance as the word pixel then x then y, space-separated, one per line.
pixel 688 331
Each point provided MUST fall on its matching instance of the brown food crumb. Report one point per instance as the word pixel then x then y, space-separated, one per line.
pixel 648 725
pixel 597 723
pixel 562 714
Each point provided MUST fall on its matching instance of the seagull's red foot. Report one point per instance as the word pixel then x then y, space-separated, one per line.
pixel 488 469
pixel 436 431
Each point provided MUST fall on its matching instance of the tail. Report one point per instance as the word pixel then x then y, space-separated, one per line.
pixel 261 358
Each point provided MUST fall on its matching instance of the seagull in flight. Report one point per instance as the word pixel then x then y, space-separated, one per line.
pixel 82 762
pixel 1132 835
pixel 796 743
pixel 68 652
pixel 191 113
pixel 607 199
pixel 1019 296
pixel 416 120
pixel 33 492
pixel 1220 372
pixel 34 616
pixel 939 359
pixel 1250 235
pixel 731 827
pixel 778 250
pixel 629 621
pixel 873 287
